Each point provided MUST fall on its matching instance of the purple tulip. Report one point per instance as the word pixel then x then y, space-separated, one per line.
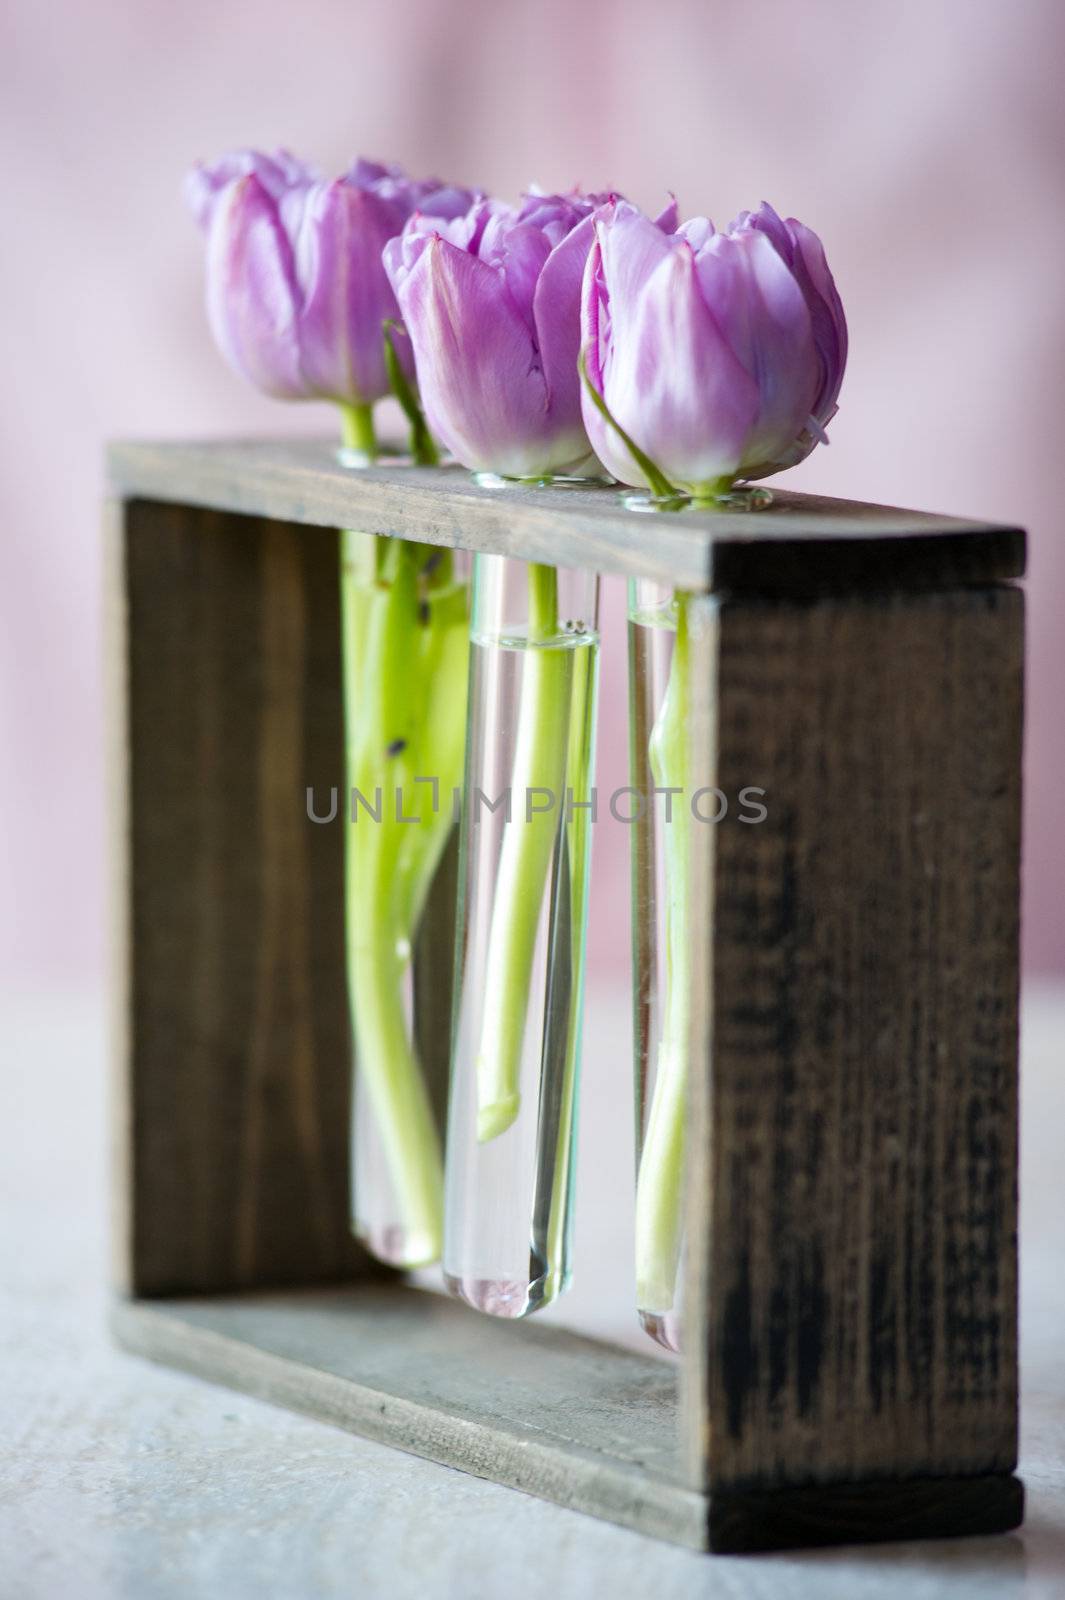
pixel 296 292
pixel 720 355
pixel 491 301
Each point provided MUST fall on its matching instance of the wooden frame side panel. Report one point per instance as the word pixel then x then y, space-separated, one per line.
pixel 858 1148
pixel 235 1080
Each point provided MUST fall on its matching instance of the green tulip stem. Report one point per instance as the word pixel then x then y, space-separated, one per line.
pixel 404 648
pixel 357 429
pixel 659 1182
pixel 537 781
pixel 657 481
pixel 708 496
pixel 422 445
pixel 578 845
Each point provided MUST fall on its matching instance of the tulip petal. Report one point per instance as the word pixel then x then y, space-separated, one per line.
pixel 555 214
pixel 698 231
pixel 277 174
pixel 557 313
pixel 800 247
pixel 428 195
pixel 346 295
pixel 699 400
pixel 762 312
pixel 252 295
pixel 478 227
pixel 671 380
pixel 668 219
pixel 402 254
pixel 480 380
pixel 610 444
pixel 445 201
pixel 521 252
pixel 826 310
pixel 595 343
pixel 632 248
pixel 366 174
pixel 769 222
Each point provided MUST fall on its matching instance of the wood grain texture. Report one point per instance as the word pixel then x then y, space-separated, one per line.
pixel 572 1420
pixel 803 541
pixel 236 1067
pixel 855 1293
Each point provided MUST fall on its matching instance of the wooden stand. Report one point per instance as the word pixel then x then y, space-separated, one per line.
pixel 852 1290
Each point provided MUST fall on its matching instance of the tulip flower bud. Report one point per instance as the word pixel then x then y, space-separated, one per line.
pixel 719 355
pixel 296 293
pixel 491 301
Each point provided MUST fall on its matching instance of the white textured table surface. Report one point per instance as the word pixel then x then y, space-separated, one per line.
pixel 117 1478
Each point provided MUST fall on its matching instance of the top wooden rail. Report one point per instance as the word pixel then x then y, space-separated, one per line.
pixel 801 542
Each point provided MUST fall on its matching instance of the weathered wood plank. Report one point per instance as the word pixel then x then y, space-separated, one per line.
pixel 570 1419
pixel 802 541
pixel 236 1076
pixel 855 1153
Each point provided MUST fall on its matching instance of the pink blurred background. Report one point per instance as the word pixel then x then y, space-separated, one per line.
pixel 924 141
